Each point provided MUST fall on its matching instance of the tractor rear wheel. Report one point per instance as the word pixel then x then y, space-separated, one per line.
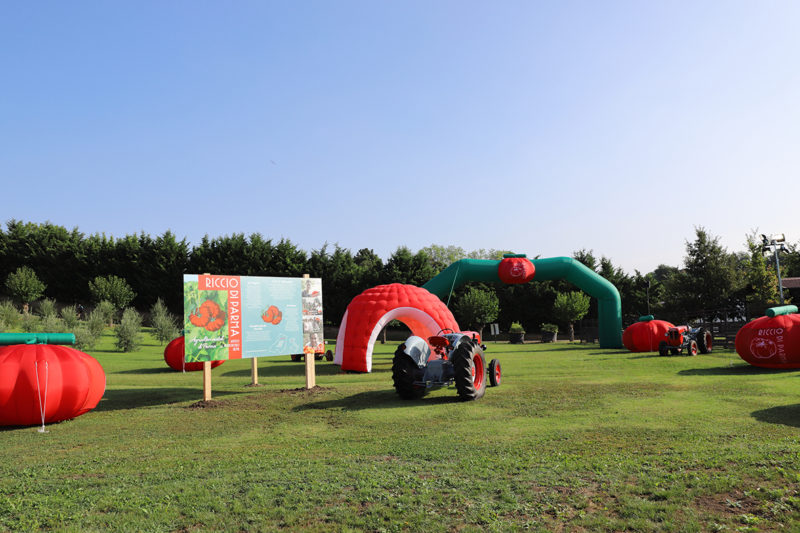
pixel 404 373
pixel 297 357
pixel 663 348
pixel 495 373
pixel 704 340
pixel 691 349
pixel 469 367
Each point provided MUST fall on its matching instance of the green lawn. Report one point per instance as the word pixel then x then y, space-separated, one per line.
pixel 577 438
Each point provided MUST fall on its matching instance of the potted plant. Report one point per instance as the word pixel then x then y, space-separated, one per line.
pixel 549 332
pixel 516 333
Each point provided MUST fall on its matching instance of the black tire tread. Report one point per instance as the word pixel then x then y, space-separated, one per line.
pixel 404 373
pixel 462 366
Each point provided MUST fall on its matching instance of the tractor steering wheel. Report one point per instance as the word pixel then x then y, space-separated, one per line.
pixel 445 331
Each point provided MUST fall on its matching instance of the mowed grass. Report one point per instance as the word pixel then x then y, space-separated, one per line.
pixel 577 438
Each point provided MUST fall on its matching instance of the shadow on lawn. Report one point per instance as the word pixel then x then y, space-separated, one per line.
pixel 375 400
pixel 132 398
pixel 146 371
pixel 283 368
pixel 787 415
pixel 734 370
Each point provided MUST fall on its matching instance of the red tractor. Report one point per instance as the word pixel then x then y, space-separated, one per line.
pixel 680 338
pixel 445 359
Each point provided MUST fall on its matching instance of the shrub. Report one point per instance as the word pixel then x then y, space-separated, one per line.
pixel 106 310
pixel 85 339
pixel 96 323
pixel 70 316
pixel 127 331
pixel 29 323
pixel 9 315
pixel 550 328
pixel 164 324
pixel 51 324
pixel 47 308
pixel 516 327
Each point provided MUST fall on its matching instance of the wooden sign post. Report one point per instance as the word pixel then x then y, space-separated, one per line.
pixel 206 376
pixel 311 377
pixel 254 382
pixel 206 381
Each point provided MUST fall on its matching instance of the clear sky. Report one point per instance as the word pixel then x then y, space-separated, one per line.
pixel 540 127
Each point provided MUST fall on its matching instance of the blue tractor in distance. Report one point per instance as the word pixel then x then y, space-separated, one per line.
pixel 445 359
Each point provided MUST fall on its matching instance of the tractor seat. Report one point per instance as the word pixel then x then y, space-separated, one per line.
pixel 438 342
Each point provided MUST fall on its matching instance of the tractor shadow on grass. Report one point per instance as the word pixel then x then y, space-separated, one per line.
pixel 382 399
pixel 786 415
pixel 147 371
pixel 116 399
pixel 734 370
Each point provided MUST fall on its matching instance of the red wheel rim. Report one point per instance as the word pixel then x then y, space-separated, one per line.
pixel 497 373
pixel 478 371
pixel 709 340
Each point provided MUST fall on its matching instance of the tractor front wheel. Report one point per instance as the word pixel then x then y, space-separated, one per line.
pixel 692 348
pixel 663 348
pixel 329 355
pixel 404 373
pixel 495 373
pixel 704 340
pixel 469 367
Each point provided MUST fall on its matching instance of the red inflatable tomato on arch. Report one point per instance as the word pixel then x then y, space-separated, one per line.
pixel 368 313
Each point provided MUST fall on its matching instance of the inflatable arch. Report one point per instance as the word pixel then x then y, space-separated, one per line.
pixel 425 314
pixel 370 311
pixel 609 304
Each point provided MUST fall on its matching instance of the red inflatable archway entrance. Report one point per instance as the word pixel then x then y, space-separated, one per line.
pixel 423 312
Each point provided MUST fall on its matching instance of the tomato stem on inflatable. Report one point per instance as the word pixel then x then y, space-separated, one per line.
pixel 781 310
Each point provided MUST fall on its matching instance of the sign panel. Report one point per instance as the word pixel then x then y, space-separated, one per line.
pixel 234 317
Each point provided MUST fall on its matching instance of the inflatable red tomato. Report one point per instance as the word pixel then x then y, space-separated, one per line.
pixel 513 270
pixel 42 384
pixel 174 356
pixel 424 314
pixel 645 336
pixel 771 342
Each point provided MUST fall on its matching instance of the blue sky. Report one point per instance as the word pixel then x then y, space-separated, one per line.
pixel 540 127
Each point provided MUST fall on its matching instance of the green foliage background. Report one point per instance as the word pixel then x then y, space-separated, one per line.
pixel 706 281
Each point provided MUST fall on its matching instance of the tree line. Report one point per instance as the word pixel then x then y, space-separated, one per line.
pixel 710 282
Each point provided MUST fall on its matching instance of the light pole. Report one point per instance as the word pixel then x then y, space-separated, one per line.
pixel 775 244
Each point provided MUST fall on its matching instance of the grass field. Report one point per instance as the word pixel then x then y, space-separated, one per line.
pixel 576 439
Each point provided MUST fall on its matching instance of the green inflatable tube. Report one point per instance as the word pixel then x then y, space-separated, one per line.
pixel 781 310
pixel 7 339
pixel 609 304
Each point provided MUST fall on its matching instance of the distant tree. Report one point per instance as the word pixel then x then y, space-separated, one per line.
pixel 441 257
pixel 570 307
pixel 408 268
pixel 112 289
pixel 710 281
pixel 762 280
pixel 587 258
pixel 128 332
pixel 477 307
pixel 24 287
pixel 164 324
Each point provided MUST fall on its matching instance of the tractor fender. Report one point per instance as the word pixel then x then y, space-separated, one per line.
pixel 417 349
